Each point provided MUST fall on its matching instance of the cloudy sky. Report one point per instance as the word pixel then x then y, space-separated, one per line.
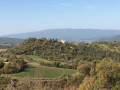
pixel 17 16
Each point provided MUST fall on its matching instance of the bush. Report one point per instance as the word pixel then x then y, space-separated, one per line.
pixel 106 77
pixel 1 64
pixel 14 65
pixel 83 69
pixel 108 72
pixel 56 64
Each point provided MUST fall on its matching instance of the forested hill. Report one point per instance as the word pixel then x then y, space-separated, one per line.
pixel 51 49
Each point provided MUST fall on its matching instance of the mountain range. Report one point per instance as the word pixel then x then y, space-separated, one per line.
pixel 71 34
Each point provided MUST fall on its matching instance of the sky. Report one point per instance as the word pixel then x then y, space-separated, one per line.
pixel 18 16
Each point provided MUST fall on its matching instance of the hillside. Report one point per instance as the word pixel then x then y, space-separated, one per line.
pixel 9 42
pixel 55 50
pixel 68 34
pixel 50 64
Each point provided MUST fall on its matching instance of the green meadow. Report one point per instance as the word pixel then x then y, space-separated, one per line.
pixel 43 72
pixel 37 58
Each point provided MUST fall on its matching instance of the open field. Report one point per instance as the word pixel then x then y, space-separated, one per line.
pixel 37 58
pixel 43 72
pixel 34 70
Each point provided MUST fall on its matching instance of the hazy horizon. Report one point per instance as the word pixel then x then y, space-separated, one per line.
pixel 29 16
pixel 55 29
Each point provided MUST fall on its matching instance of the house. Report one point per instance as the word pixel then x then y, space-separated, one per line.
pixel 63 41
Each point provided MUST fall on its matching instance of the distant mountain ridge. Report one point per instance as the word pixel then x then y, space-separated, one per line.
pixel 68 34
pixel 113 38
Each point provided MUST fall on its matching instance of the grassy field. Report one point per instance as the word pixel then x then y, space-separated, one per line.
pixel 34 70
pixel 37 58
pixel 43 72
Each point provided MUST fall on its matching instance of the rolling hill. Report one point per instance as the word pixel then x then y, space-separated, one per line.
pixel 68 34
pixel 54 50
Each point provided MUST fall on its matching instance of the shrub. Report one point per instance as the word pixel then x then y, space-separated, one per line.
pixel 1 64
pixel 83 69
